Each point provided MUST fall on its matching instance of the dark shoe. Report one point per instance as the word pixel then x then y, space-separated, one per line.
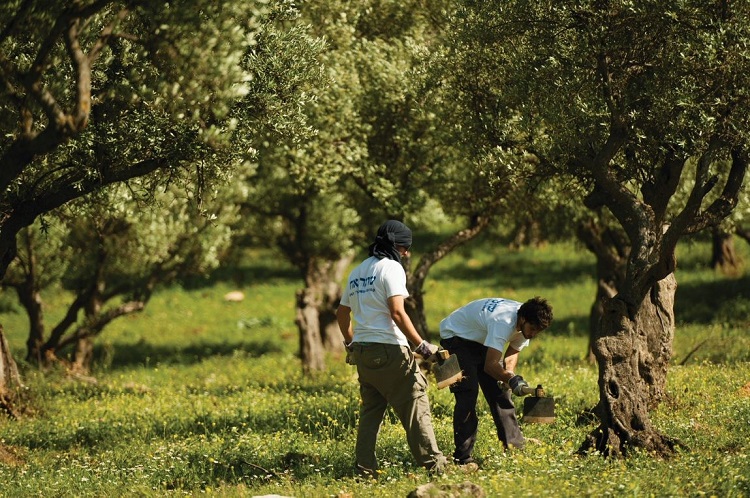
pixel 365 473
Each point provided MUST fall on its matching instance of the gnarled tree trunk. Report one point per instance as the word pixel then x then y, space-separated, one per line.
pixel 611 248
pixel 723 255
pixel 633 353
pixel 10 380
pixel 316 311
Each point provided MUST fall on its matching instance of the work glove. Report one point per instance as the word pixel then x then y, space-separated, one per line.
pixel 425 350
pixel 349 351
pixel 518 385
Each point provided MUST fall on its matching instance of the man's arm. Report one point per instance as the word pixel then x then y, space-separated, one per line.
pixel 493 364
pixel 398 313
pixel 344 318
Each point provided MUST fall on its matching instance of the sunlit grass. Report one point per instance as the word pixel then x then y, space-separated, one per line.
pixel 200 396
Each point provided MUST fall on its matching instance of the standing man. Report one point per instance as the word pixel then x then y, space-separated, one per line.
pixel 478 333
pixel 378 343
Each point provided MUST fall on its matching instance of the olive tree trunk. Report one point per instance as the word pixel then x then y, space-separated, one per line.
pixel 633 354
pixel 316 311
pixel 633 345
pixel 10 380
pixel 611 248
pixel 724 257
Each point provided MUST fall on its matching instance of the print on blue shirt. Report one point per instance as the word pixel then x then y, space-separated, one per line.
pixel 491 304
pixel 362 285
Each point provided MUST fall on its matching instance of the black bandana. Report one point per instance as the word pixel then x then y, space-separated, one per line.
pixel 390 234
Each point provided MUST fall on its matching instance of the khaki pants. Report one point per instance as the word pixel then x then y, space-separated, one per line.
pixel 389 375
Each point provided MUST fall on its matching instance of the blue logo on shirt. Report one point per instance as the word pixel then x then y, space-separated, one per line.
pixel 491 304
pixel 362 284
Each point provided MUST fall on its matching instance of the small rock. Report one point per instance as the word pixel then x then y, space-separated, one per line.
pixel 463 490
pixel 234 296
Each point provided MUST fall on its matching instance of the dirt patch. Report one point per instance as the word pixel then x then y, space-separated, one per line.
pixel 10 456
pixel 745 391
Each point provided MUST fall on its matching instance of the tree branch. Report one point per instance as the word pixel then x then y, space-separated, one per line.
pixel 477 224
pixel 658 192
pixel 723 205
pixel 97 324
pixel 13 22
pixel 82 69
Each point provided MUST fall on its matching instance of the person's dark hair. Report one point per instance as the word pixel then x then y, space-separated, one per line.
pixel 537 312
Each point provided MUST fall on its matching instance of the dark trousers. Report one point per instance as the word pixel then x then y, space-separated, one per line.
pixel 471 358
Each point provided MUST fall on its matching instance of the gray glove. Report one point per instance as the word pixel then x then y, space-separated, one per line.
pixel 519 386
pixel 349 351
pixel 425 349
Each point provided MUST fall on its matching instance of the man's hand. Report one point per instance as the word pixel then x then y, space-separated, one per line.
pixel 349 351
pixel 425 349
pixel 519 386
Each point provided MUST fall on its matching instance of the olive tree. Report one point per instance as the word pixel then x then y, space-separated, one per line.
pixel 624 97
pixel 100 92
pixel 111 251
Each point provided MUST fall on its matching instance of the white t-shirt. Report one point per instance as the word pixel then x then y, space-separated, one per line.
pixel 489 321
pixel 367 291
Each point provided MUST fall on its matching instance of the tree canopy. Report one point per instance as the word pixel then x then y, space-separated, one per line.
pixel 101 92
pixel 622 97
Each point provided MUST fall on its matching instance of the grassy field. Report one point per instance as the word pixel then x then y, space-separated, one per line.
pixel 201 396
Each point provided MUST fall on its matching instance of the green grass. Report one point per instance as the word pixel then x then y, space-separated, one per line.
pixel 200 396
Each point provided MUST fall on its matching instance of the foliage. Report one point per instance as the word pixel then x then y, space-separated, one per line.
pixel 590 96
pixel 111 250
pixel 96 93
pixel 198 395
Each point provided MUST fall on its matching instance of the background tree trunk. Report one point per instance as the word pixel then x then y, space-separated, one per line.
pixel 633 355
pixel 316 311
pixel 311 349
pixel 723 256
pixel 83 355
pixel 10 380
pixel 329 326
pixel 31 300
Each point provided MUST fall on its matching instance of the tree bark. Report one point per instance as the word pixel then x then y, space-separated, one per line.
pixel 329 325
pixel 311 349
pixel 316 311
pixel 723 255
pixel 83 356
pixel 611 249
pixel 10 380
pixel 31 300
pixel 633 354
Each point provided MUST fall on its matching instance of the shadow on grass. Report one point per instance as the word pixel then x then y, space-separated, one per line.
pixel 519 273
pixel 143 353
pixel 245 274
pixel 726 300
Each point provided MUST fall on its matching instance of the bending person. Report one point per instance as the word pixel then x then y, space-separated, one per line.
pixel 487 335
